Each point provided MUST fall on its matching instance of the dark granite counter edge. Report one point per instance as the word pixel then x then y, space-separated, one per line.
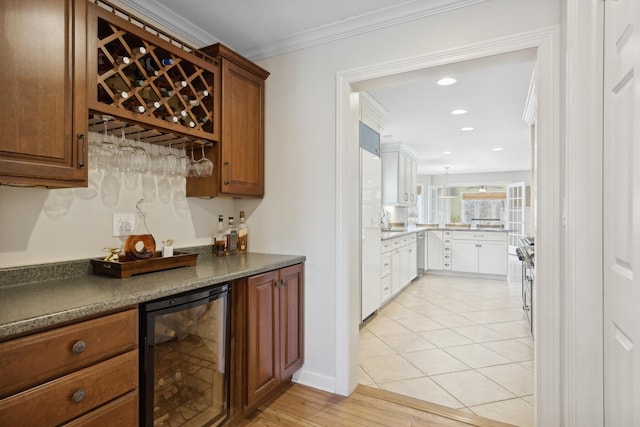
pixel 33 324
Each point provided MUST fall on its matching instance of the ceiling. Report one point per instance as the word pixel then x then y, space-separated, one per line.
pixel 493 90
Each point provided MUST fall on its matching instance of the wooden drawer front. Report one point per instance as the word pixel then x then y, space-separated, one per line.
pixel 32 360
pixel 121 412
pixel 52 403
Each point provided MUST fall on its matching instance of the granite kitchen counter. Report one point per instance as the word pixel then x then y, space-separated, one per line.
pixel 390 234
pixel 28 301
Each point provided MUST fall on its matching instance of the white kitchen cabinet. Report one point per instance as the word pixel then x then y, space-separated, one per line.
pixel 479 252
pixel 399 264
pixel 399 175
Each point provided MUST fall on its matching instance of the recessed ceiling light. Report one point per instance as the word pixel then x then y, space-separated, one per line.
pixel 446 153
pixel 446 81
pixel 458 112
pixel 467 129
pixel 497 149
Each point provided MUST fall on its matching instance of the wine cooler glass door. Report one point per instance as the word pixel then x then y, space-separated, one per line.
pixel 186 363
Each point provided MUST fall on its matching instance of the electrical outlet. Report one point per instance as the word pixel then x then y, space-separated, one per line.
pixel 123 224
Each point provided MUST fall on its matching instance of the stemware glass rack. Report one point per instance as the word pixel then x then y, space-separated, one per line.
pixel 154 85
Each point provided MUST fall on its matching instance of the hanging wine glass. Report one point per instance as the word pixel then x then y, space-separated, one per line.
pixel 206 165
pixel 110 185
pixel 194 168
pixel 125 161
pixel 107 148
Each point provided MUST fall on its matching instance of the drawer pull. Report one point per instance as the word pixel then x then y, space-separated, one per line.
pixel 79 347
pixel 78 396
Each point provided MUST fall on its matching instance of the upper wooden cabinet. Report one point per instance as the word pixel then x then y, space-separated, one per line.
pixel 239 156
pixel 44 113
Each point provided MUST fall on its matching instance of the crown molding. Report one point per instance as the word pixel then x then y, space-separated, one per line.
pixel 375 20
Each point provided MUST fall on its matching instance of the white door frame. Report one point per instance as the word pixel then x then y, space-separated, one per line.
pixel 549 178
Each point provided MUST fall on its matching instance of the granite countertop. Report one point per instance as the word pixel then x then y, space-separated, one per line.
pixel 390 234
pixel 33 303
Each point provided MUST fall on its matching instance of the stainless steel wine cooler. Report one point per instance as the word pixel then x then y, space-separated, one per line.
pixel 184 367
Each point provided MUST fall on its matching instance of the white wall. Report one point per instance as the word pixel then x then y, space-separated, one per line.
pixel 32 232
pixel 299 210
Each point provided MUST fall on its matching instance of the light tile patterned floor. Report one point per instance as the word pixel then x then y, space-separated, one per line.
pixel 459 342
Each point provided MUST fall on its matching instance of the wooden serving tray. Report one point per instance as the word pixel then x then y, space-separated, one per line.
pixel 125 268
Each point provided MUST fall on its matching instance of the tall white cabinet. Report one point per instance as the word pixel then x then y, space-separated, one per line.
pixel 399 175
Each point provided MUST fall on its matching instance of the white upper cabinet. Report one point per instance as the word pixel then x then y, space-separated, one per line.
pixel 399 175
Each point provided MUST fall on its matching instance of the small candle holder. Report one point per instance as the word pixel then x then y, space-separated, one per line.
pixel 167 248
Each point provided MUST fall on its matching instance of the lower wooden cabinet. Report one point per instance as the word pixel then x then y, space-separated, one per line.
pixel 273 344
pixel 77 374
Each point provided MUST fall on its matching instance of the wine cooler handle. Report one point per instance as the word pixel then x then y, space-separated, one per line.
pixel 228 165
pixel 84 149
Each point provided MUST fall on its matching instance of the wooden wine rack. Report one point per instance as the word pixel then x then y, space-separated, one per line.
pixel 166 90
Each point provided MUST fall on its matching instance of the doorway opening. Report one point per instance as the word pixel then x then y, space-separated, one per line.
pixel 547 210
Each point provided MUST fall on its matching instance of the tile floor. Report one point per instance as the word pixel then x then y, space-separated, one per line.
pixel 459 342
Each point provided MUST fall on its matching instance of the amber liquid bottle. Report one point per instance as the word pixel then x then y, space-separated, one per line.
pixel 140 244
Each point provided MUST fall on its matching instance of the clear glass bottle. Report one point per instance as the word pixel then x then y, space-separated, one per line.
pixel 220 239
pixel 140 244
pixel 232 238
pixel 243 234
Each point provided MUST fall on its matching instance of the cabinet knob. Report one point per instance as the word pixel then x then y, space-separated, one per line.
pixel 78 396
pixel 79 347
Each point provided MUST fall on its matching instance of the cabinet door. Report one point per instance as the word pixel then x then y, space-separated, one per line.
pixel 263 323
pixel 434 250
pixel 404 175
pixel 395 271
pixel 492 257
pixel 44 114
pixel 242 143
pixel 291 319
pixel 464 256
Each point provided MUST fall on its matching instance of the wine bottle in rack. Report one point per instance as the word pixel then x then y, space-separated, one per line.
pixel 139 50
pixel 150 66
pixel 132 104
pixel 188 121
pixel 203 93
pixel 167 61
pixel 180 84
pixel 122 59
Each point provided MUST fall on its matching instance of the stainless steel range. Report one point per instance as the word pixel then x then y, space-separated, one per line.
pixel 526 254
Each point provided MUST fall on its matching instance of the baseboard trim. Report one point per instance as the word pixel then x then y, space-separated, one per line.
pixel 432 408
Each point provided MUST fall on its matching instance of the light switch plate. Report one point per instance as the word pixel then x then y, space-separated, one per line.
pixel 123 224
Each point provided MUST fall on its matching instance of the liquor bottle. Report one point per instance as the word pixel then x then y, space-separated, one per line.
pixel 232 238
pixel 203 93
pixel 243 234
pixel 220 240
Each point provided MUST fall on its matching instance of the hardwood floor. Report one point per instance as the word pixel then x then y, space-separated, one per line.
pixel 298 405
